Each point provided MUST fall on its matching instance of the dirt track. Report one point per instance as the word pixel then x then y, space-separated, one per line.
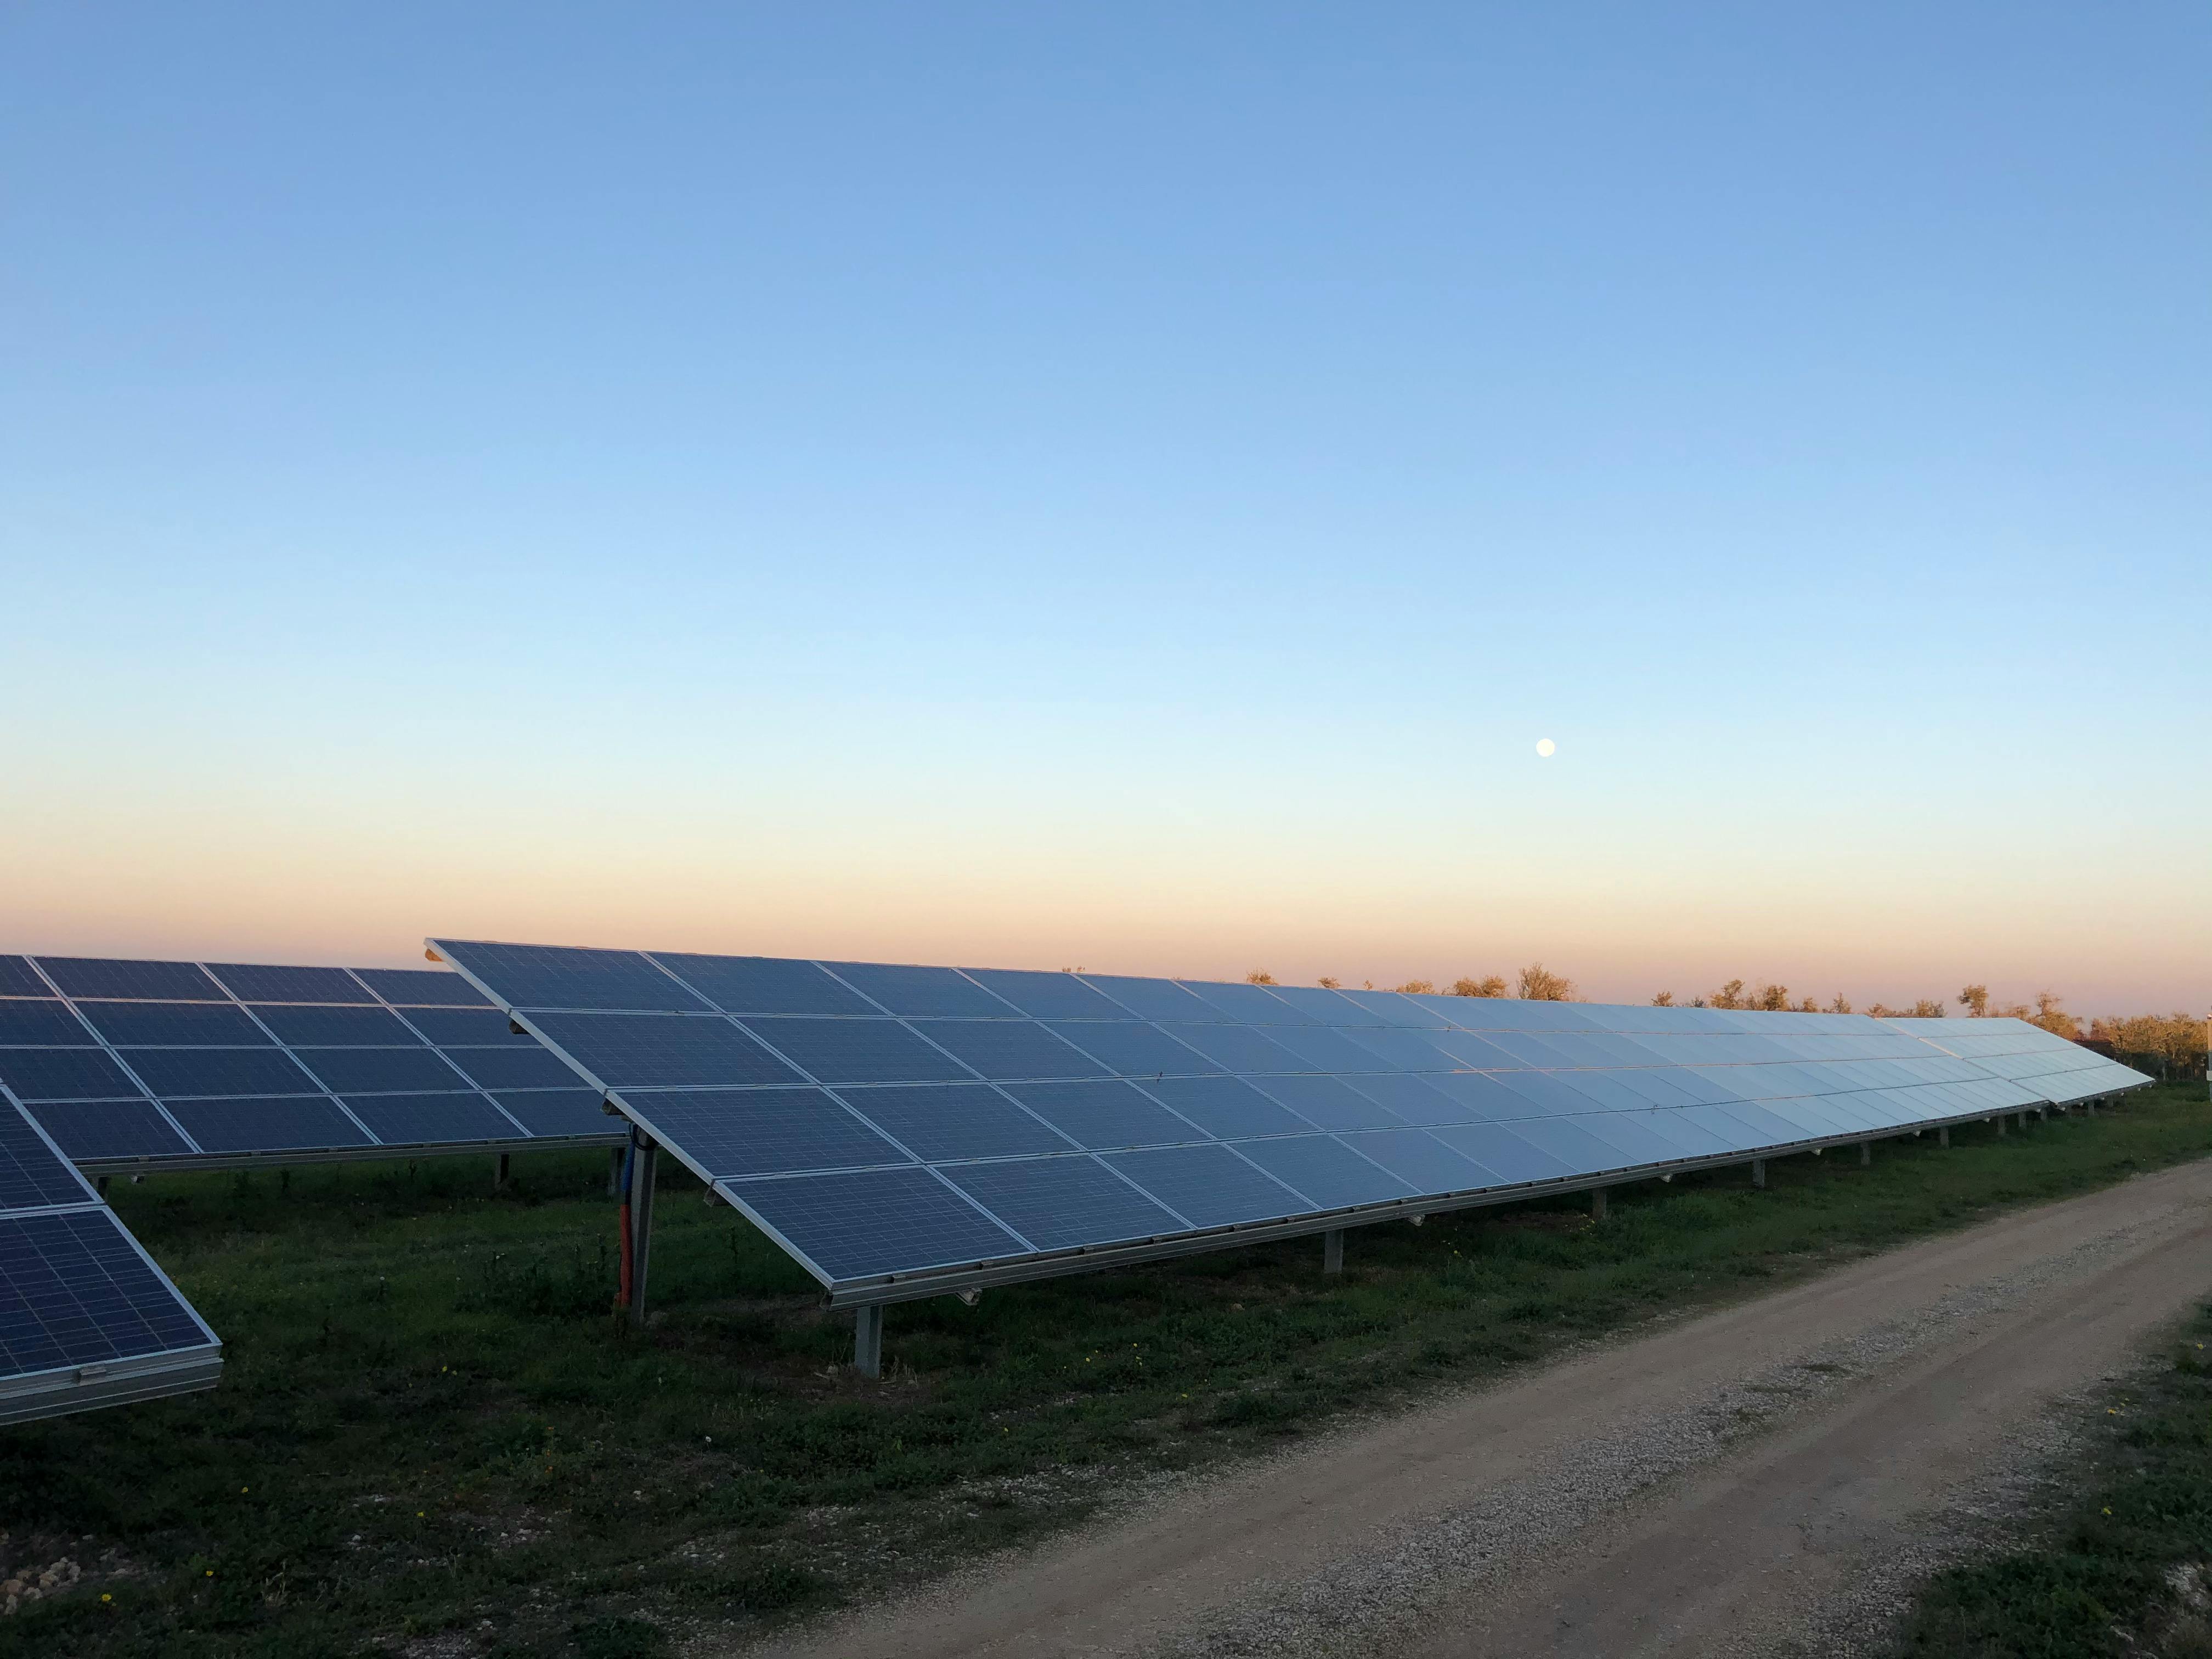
pixel 1721 1484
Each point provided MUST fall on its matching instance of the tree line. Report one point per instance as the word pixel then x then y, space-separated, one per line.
pixel 2174 1043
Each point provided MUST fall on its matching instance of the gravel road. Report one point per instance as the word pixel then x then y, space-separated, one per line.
pixel 1770 1479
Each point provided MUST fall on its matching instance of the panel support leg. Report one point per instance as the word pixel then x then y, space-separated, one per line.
pixel 868 1339
pixel 644 1167
pixel 100 1181
pixel 1759 1173
pixel 1332 1251
pixel 1866 1153
pixel 499 1175
pixel 1943 1136
pixel 2001 1128
pixel 2092 1107
pixel 1597 1204
pixel 614 1171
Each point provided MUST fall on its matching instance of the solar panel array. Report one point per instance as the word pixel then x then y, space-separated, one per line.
pixel 2061 1070
pixel 86 1318
pixel 134 1065
pixel 904 1130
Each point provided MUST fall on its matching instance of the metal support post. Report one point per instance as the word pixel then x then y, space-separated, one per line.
pixel 2001 1128
pixel 642 1169
pixel 868 1339
pixel 1331 1250
pixel 1597 1204
pixel 101 1182
pixel 1759 1173
pixel 2092 1105
pixel 499 1175
pixel 1943 1136
pixel 1866 1153
pixel 614 1171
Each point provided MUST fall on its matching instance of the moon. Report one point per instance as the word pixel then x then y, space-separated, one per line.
pixel 1546 748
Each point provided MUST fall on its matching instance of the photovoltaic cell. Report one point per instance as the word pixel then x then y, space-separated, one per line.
pixel 1128 1048
pixel 168 1071
pixel 411 987
pixel 340 1028
pixel 867 1222
pixel 1422 1161
pixel 1104 1114
pixel 31 1177
pixel 253 981
pixel 496 1069
pixel 73 1291
pixel 1001 1048
pixel 1226 1107
pixel 462 1028
pixel 1330 1174
pixel 858 1051
pixel 1047 996
pixel 379 1070
pixel 1321 1007
pixel 1241 1049
pixel 37 1074
pixel 1060 1202
pixel 430 1119
pixel 540 978
pixel 274 1124
pixel 1499 1146
pixel 1583 1152
pixel 764 985
pixel 1411 1051
pixel 1208 1186
pixel 556 1113
pixel 1248 1004
pixel 662 1051
pixel 945 1122
pixel 45 1025
pixel 1328 1102
pixel 1414 1099
pixel 183 1024
pixel 104 976
pixel 921 991
pixel 1479 1097
pixel 18 979
pixel 1321 1049
pixel 87 1130
pixel 1153 999
pixel 769 1131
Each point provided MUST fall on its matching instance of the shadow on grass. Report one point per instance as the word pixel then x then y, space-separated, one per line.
pixel 431 1426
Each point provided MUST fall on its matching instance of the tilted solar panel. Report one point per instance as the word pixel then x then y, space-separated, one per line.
pixel 135 1066
pixel 2061 1070
pixel 86 1318
pixel 904 1131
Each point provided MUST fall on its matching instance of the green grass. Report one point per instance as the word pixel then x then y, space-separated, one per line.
pixel 2096 1581
pixel 429 1425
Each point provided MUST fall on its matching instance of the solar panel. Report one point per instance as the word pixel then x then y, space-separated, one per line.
pixel 142 1065
pixel 906 1130
pixel 86 1318
pixel 2025 1054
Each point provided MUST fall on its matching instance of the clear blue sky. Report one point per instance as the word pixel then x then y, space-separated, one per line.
pixel 1125 484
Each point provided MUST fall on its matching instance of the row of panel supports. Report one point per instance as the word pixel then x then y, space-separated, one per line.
pixel 868 1319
